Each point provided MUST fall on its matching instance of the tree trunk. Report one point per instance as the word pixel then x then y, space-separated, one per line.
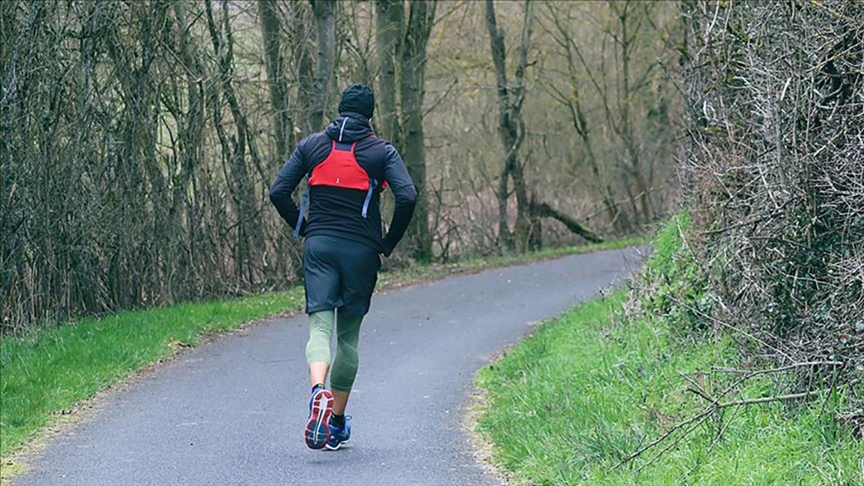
pixel 535 230
pixel 190 141
pixel 547 211
pixel 523 206
pixel 421 16
pixel 325 21
pixel 580 124
pixel 573 102
pixel 511 129
pixel 248 235
pixel 505 128
pixel 302 43
pixel 283 132
pixel 627 42
pixel 406 39
pixel 390 19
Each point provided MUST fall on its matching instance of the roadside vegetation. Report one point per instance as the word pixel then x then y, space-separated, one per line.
pixel 583 399
pixel 737 356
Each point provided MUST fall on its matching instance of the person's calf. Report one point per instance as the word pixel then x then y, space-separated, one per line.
pixel 318 373
pixel 340 401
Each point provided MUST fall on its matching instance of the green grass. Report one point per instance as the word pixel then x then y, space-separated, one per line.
pixel 584 391
pixel 51 369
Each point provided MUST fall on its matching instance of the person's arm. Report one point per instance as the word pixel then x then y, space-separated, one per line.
pixel 282 188
pixel 396 175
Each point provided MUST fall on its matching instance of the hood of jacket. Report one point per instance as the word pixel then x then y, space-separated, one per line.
pixel 349 127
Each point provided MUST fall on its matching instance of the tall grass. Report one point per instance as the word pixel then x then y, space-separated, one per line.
pixel 569 403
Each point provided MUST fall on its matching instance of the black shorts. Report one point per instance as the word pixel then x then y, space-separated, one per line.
pixel 339 274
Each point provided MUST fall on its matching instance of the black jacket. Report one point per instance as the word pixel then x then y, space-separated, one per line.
pixel 336 211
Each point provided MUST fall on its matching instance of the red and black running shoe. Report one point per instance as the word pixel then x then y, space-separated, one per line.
pixel 318 426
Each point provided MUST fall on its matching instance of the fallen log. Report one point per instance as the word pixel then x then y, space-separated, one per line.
pixel 546 211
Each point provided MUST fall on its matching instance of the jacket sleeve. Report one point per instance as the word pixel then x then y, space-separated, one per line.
pixel 396 175
pixel 282 188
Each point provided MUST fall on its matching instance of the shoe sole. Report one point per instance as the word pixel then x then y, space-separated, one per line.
pixel 318 428
pixel 336 447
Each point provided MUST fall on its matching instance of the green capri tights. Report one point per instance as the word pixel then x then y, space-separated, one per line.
pixel 344 367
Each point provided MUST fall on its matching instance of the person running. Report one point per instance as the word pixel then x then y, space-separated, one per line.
pixel 347 168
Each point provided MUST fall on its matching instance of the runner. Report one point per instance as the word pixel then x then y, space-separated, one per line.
pixel 347 168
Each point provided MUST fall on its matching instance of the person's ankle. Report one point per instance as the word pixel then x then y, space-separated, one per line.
pixel 318 386
pixel 337 420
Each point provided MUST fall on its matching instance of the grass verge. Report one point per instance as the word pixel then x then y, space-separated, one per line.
pixel 47 372
pixel 567 404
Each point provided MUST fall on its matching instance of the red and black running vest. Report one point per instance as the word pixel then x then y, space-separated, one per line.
pixel 339 169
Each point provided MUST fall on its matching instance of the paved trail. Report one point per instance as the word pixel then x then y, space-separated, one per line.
pixel 232 412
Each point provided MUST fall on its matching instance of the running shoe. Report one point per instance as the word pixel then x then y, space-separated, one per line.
pixel 339 435
pixel 318 426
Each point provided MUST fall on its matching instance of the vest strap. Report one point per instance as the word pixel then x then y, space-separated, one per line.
pixel 304 201
pixel 372 185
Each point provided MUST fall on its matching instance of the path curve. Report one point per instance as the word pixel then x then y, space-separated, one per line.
pixel 232 412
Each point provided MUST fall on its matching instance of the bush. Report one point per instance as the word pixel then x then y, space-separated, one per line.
pixel 775 171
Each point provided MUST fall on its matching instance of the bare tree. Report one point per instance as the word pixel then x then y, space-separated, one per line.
pixel 235 151
pixel 629 22
pixel 271 32
pixel 421 16
pixel 573 100
pixel 133 168
pixel 511 127
pixel 403 37
pixel 390 19
pixel 325 21
pixel 146 184
pixel 190 144
pixel 631 17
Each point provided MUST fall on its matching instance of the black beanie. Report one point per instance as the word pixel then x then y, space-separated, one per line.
pixel 357 98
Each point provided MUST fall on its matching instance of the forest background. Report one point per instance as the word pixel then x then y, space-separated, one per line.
pixel 139 138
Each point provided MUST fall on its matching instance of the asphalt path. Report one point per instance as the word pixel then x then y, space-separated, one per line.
pixel 232 412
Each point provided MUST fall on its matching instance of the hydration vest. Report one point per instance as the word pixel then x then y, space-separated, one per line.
pixel 339 169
